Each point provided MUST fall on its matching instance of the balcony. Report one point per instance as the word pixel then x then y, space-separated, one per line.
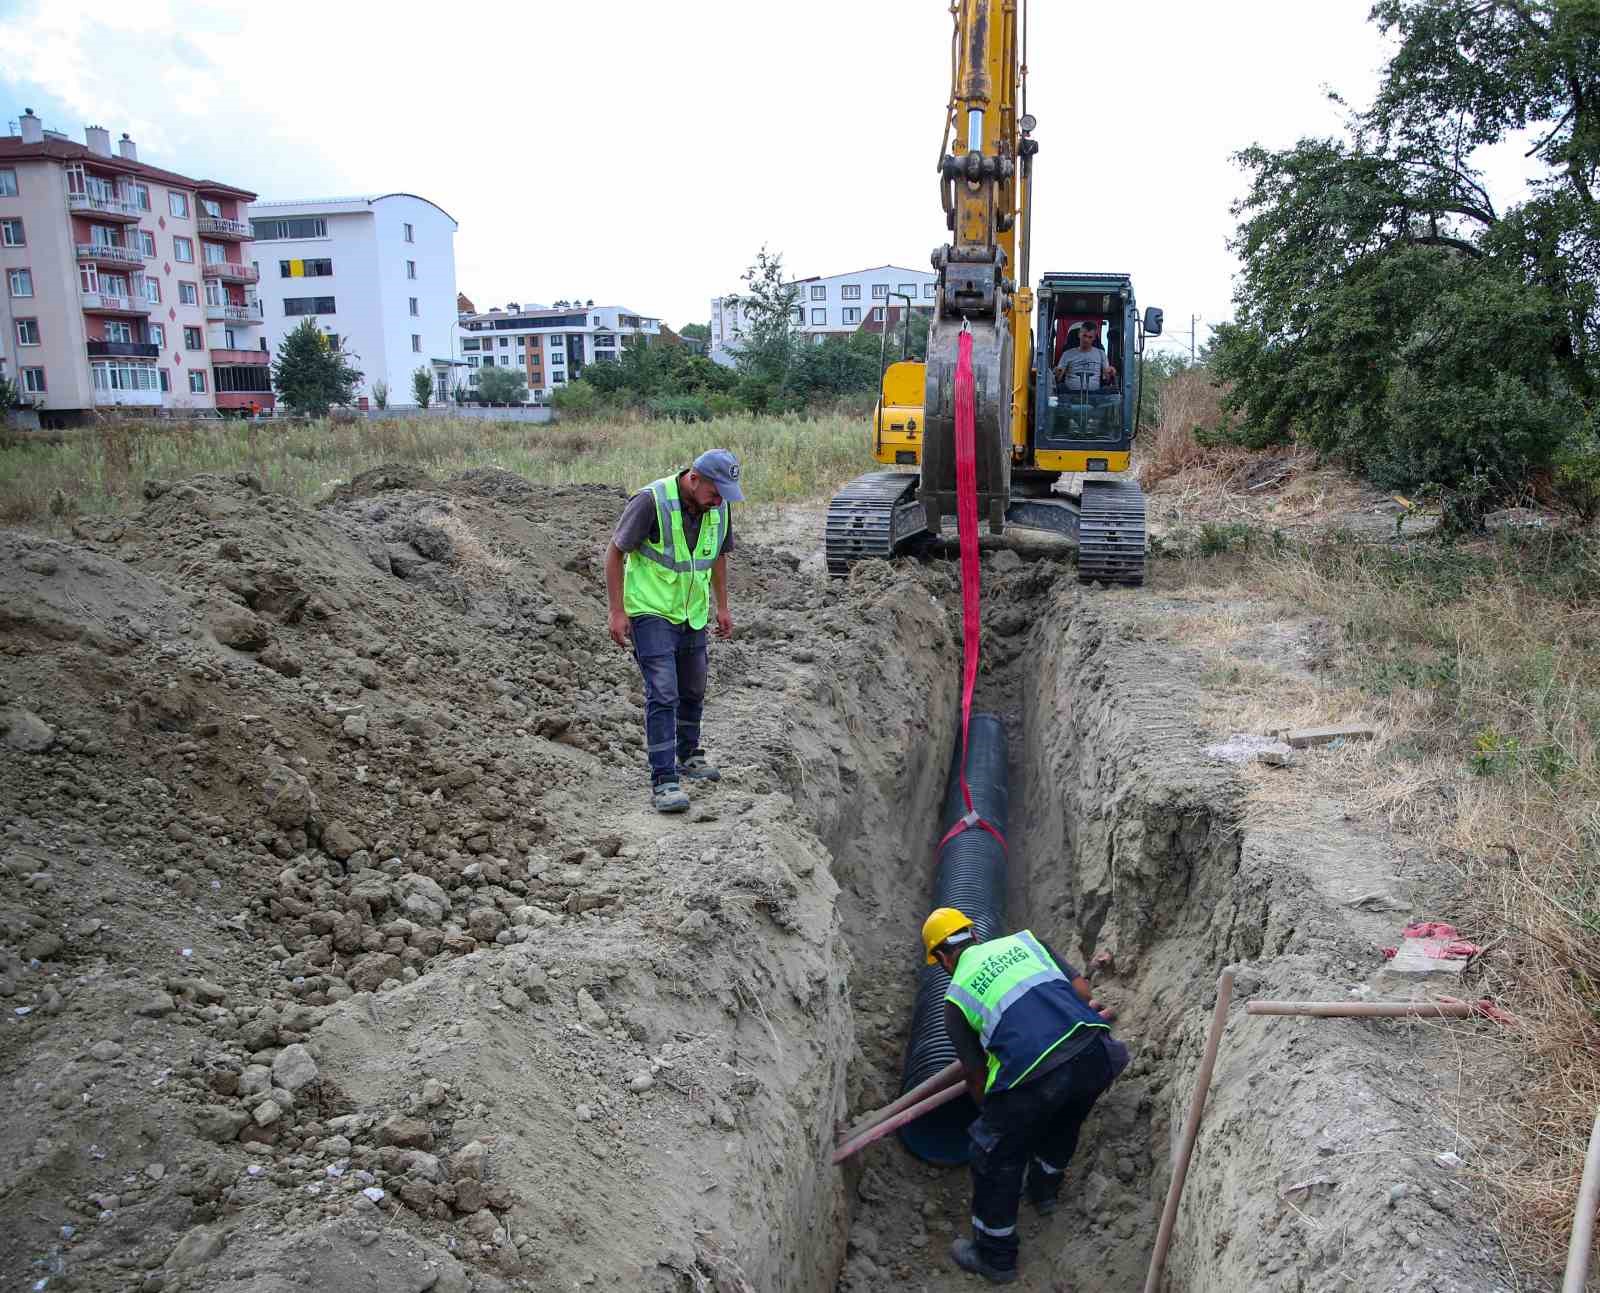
pixel 123 350
pixel 109 303
pixel 100 253
pixel 247 358
pixel 218 227
pixel 228 312
pixel 227 271
pixel 141 399
pixel 104 208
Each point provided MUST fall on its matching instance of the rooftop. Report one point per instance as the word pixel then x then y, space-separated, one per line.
pixel 55 147
pixel 341 205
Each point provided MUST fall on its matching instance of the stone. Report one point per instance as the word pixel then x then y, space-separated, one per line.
pixel 514 997
pixel 199 1245
pixel 289 799
pixel 420 1163
pixel 219 1123
pixel 468 1162
pixel 334 1146
pixel 482 1224
pixel 641 1082
pixel 589 1011
pixel 22 729
pixel 339 841
pixel 470 1196
pixel 355 726
pixel 267 1112
pixel 485 922
pixel 372 969
pixel 293 1068
pixel 255 1078
pixel 434 1093
pixel 585 1113
pixel 1006 559
pixel 238 628
pixel 1306 737
pixel 406 1133
pixel 536 985
pixel 280 661
pixel 105 1051
pixel 156 1006
pixel 42 946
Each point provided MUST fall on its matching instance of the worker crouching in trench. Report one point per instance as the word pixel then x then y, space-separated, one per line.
pixel 1037 1052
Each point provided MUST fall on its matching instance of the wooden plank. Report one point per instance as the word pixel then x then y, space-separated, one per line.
pixel 1306 737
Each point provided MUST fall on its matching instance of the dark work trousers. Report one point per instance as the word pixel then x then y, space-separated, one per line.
pixel 1038 1120
pixel 672 659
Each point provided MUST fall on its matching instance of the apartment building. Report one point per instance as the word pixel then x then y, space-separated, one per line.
pixel 122 285
pixel 831 305
pixel 550 345
pixel 376 272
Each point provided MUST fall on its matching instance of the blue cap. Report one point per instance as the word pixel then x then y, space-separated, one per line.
pixel 721 468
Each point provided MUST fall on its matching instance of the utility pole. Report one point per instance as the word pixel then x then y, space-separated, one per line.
pixel 1193 319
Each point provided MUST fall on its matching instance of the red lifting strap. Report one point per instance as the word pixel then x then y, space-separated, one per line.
pixel 967 519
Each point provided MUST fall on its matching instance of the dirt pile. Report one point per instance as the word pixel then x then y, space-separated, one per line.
pixel 339 944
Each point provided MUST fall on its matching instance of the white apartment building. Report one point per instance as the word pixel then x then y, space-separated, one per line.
pixel 376 272
pixel 550 345
pixel 832 305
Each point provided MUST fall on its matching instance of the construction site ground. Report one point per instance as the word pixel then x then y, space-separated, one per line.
pixel 341 949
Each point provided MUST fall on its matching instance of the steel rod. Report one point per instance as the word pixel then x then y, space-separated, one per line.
pixel 1583 1220
pixel 1367 1009
pixel 1191 1131
pixel 928 1086
pixel 897 1121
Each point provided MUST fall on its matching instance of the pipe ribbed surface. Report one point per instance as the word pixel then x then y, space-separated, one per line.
pixel 971 876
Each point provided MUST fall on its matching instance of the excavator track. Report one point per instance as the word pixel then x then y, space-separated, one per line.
pixel 1111 533
pixel 870 517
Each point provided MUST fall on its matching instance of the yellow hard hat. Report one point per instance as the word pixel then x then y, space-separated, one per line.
pixel 941 923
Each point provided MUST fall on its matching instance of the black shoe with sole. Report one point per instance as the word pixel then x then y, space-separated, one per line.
pixel 965 1254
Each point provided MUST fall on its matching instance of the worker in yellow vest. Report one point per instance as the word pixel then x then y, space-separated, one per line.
pixel 666 563
pixel 1037 1052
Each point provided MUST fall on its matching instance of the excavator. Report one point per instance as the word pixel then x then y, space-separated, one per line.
pixel 1049 400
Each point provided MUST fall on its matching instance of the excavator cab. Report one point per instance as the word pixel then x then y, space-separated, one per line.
pixel 1082 425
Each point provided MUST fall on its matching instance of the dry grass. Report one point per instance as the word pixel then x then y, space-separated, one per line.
pixel 1190 405
pixel 479 563
pixel 1479 666
pixel 104 469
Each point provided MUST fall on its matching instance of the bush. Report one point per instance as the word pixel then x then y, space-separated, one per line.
pixel 1577 476
pixel 577 400
pixel 501 386
pixel 680 408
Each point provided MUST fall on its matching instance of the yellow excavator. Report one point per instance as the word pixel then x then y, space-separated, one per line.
pixel 1056 396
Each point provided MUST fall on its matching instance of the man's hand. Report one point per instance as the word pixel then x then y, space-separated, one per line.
pixel 724 628
pixel 1108 1013
pixel 1111 373
pixel 621 628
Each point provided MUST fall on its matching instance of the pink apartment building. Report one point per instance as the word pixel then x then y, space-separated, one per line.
pixel 123 285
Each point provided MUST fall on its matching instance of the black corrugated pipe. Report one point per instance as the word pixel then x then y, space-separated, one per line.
pixel 970 876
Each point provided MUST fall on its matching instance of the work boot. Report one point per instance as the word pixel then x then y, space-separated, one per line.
pixel 697 768
pixel 668 797
pixel 1041 1191
pixel 965 1254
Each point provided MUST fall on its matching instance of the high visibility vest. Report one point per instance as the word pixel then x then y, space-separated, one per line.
pixel 1019 1003
pixel 665 577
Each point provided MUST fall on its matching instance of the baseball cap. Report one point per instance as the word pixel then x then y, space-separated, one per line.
pixel 721 468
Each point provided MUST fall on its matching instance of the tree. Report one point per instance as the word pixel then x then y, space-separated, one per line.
pixel 9 397
pixel 422 386
pixel 695 331
pixel 501 386
pixel 1388 311
pixel 310 374
pixel 380 394
pixel 767 336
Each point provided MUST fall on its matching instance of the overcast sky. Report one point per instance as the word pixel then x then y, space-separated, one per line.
pixel 639 151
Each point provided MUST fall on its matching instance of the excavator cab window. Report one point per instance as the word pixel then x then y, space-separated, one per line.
pixel 1082 405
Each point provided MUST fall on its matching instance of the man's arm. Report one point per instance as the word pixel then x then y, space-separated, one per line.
pixel 719 589
pixel 974 1063
pixel 620 626
pixel 1080 985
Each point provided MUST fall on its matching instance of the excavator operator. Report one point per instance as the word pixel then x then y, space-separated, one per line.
pixel 1038 1052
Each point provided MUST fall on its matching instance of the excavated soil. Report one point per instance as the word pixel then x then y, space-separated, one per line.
pixel 339 948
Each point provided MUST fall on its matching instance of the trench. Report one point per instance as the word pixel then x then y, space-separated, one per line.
pixel 1122 841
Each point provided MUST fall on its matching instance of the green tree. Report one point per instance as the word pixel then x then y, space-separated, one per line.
pixel 502 386
pixel 767 337
pixel 310 374
pixel 422 386
pixel 695 331
pixel 1388 311
pixel 9 397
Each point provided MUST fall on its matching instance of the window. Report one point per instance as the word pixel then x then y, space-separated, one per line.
pixel 819 317
pixel 819 292
pixel 410 234
pixel 798 314
pixel 214 252
pixel 125 377
pixel 411 269
pixel 908 289
pixel 333 339
pixel 20 281
pixel 293 305
pixel 556 343
pixel 850 292
pixel 228 341
pixel 852 314
pixel 116 330
pixel 243 379
pixel 166 382
pixel 504 342
pixel 305 268
pixel 178 203
pixel 152 289
pixel 927 291
pixel 192 340
pixel 188 294
pixel 88 278
pixel 880 291
pixel 27 332
pixel 11 234
pixel 113 285
pixel 212 209
pixel 415 312
pixel 147 241
pixel 8 183
pixel 183 250
pixel 472 361
pixel 877 314
pixel 296 227
pixel 140 193
pixel 416 345
pixel 197 381
pixel 33 381
pixel 158 334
